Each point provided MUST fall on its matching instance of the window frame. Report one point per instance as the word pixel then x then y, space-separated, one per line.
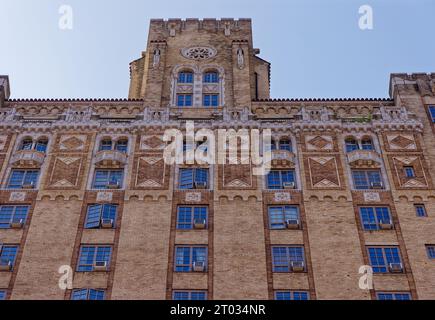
pixel 183 100
pixel 367 178
pixel 351 144
pixel 409 170
pixel 23 178
pixel 193 216
pixel 102 214
pixel 85 267
pixel 431 111
pixel 185 77
pixel 286 268
pixel 285 146
pixel 211 77
pixel 109 172
pixel 210 100
pixel 188 268
pixel 394 295
pixel 189 294
pixel 88 294
pixel 375 219
pixel 284 216
pixel 183 183
pixel 13 214
pixel 13 255
pixel 280 186
pixel 430 251
pixel 294 295
pixel 418 206
pixel 385 267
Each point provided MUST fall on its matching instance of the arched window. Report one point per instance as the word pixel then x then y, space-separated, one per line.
pixel 351 144
pixel 121 145
pixel 26 144
pixel 367 144
pixel 185 77
pixel 41 145
pixel 211 77
pixel 285 144
pixel 105 145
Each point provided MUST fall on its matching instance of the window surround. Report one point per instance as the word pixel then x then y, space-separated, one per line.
pixel 198 84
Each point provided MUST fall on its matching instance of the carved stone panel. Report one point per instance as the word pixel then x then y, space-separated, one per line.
pixel 322 172
pixel 319 143
pixel 399 164
pixel 150 172
pixel 65 171
pixel 401 142
pixel 237 176
pixel 73 143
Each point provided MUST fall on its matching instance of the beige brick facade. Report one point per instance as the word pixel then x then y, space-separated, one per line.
pixel 241 261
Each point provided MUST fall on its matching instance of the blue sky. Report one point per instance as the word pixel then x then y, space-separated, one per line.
pixel 315 46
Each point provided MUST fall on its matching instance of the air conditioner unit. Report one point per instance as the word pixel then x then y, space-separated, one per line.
pixel 376 185
pixel 107 223
pixel 200 185
pixel 199 224
pixel 199 266
pixel 297 266
pixel 387 225
pixel 100 266
pixel 396 267
pixel 5 265
pixel 113 185
pixel 292 224
pixel 27 186
pixel 288 185
pixel 17 224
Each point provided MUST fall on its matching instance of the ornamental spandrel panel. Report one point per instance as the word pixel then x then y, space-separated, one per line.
pixel 66 171
pixel 150 172
pixel 322 172
pixel 399 165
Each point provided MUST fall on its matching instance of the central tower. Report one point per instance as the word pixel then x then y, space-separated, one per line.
pixel 199 63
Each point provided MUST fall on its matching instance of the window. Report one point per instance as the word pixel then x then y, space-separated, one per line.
pixel 98 213
pixel 88 294
pixel 409 171
pixel 189 295
pixel 10 214
pixel 121 145
pixel 193 178
pixel 285 144
pixel 372 217
pixel 41 145
pixel 278 215
pixel 420 210
pixel 381 258
pixel 188 216
pixel 8 254
pixel 107 179
pixel 186 257
pixel 367 144
pixel 430 251
pixel 92 255
pixel 211 77
pixel 184 100
pixel 106 145
pixel 27 144
pixel 393 296
pixel 271 146
pixel 432 113
pixel 277 179
pixel 185 77
pixel 292 295
pixel 2 294
pixel 283 257
pixel 211 100
pixel 367 179
pixel 20 179
pixel 351 145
